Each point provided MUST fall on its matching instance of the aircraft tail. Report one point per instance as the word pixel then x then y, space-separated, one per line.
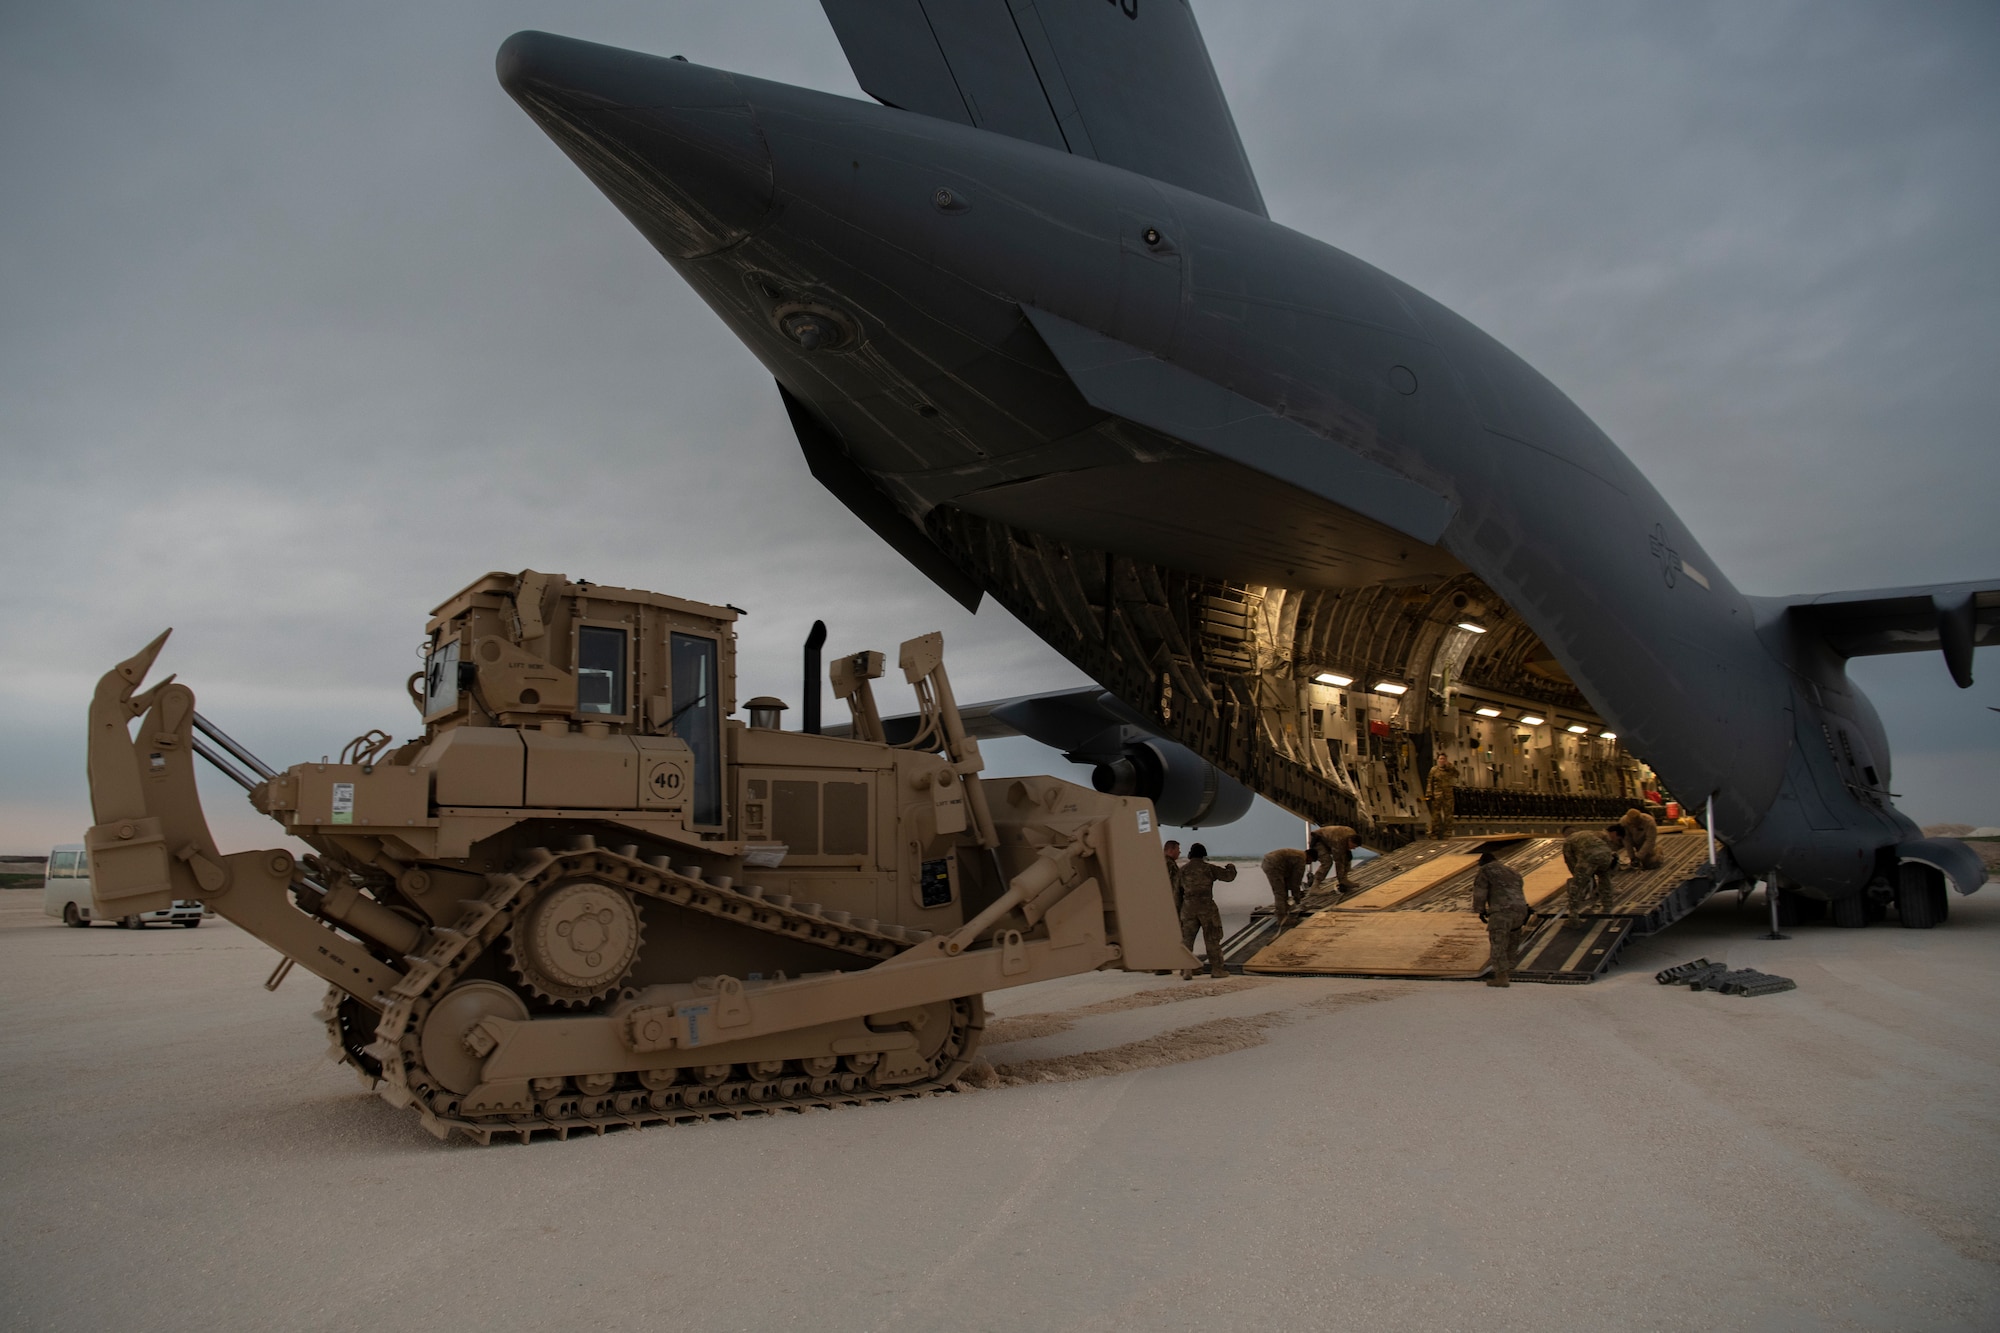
pixel 1126 83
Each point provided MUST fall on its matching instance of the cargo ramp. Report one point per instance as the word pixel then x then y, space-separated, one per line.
pixel 1410 914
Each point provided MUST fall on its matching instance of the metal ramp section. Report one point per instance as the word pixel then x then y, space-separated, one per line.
pixel 1411 914
pixel 1567 952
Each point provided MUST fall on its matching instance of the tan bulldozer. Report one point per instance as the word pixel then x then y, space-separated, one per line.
pixel 588 897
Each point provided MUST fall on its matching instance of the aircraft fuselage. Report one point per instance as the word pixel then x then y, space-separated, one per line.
pixel 956 308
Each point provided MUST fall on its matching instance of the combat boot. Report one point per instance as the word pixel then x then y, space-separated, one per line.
pixel 1497 979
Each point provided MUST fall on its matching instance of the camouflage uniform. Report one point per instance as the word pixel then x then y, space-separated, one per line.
pixel 1642 840
pixel 1286 869
pixel 1497 897
pixel 1332 848
pixel 1198 911
pixel 1438 791
pixel 1589 857
pixel 1174 882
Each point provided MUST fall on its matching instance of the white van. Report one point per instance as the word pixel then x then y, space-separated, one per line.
pixel 66 893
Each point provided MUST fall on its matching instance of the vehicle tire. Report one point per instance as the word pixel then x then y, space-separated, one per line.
pixel 72 917
pixel 1941 899
pixel 1788 907
pixel 192 924
pixel 1916 897
pixel 1849 913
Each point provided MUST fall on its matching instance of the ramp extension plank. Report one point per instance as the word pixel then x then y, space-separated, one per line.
pixel 1410 883
pixel 1384 944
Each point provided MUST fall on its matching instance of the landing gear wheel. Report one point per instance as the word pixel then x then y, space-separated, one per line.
pixel 1918 891
pixel 577 942
pixel 72 917
pixel 451 1061
pixel 1850 913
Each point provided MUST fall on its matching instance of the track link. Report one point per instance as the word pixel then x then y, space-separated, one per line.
pixel 447 951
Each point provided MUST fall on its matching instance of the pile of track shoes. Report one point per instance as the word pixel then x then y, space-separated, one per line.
pixel 1704 975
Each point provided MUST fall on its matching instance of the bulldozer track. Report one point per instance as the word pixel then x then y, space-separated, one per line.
pixel 447 951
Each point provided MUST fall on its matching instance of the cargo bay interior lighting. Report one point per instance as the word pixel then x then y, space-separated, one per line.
pixel 1607 735
pixel 1530 720
pixel 1389 687
pixel 1472 627
pixel 1579 730
pixel 1335 679
pixel 1487 712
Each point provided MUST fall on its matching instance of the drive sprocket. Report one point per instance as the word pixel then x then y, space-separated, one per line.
pixel 577 942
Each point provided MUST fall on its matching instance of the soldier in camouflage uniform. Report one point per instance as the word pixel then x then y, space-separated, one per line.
pixel 1173 854
pixel 1589 857
pixel 1438 791
pixel 1198 910
pixel 1638 836
pixel 1332 847
pixel 1498 898
pixel 1285 868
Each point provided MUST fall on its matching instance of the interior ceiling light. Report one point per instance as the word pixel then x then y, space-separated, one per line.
pixel 1334 678
pixel 1487 712
pixel 1607 735
pixel 1530 720
pixel 1472 627
pixel 1390 687
pixel 1579 730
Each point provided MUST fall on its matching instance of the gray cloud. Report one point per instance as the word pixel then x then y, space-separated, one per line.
pixel 307 325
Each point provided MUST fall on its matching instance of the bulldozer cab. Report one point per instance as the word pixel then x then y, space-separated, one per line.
pixel 537 653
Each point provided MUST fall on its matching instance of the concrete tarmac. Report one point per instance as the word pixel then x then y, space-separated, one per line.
pixel 1290 1154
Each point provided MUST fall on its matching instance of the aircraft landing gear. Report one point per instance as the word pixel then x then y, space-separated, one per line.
pixel 1920 897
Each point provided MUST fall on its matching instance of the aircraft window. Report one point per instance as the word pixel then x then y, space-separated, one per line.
pixel 441 679
pixel 600 670
pixel 698 719
pixel 63 865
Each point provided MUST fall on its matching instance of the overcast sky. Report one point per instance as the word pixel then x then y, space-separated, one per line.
pixel 304 325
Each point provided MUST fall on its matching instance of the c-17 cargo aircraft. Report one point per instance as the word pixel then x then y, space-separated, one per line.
pixel 1308 529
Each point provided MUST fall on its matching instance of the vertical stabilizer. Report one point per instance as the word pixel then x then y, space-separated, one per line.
pixel 1127 82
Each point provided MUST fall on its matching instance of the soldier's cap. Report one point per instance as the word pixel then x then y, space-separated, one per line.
pixel 1196 852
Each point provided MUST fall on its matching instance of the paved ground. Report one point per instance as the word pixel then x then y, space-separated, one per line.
pixel 1369 1155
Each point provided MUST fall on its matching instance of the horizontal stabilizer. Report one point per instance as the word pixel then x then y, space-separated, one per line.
pixel 1126 382
pixel 1113 80
pixel 1950 617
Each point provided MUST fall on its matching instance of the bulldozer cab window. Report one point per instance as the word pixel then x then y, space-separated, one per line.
pixel 600 670
pixel 698 720
pixel 441 679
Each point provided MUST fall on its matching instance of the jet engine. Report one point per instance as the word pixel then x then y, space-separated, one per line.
pixel 1186 790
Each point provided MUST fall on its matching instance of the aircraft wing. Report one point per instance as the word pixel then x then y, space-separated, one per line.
pixel 1092 726
pixel 1113 80
pixel 1951 617
pixel 1074 721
